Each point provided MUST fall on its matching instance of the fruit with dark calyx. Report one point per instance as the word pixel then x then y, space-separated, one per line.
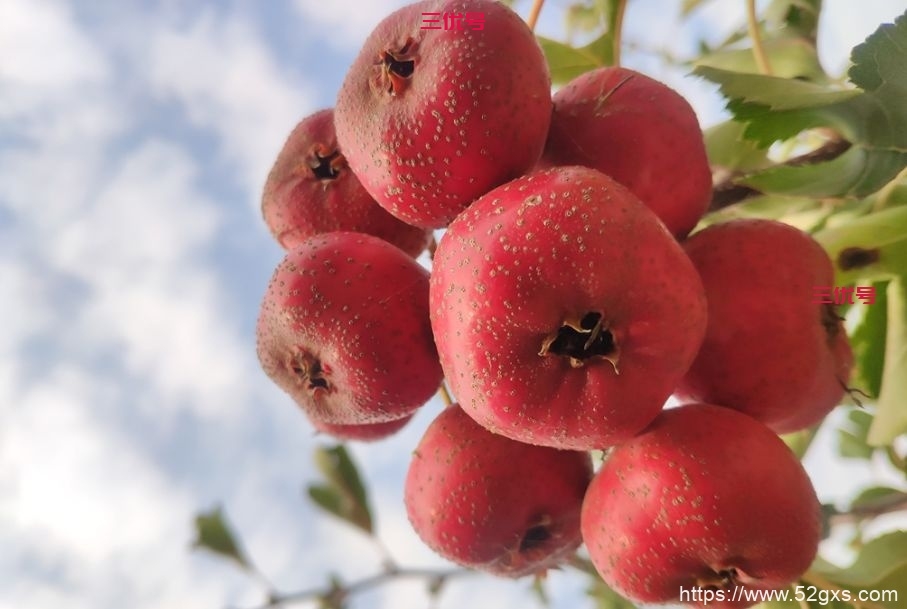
pixel 705 497
pixel 311 190
pixel 771 350
pixel 490 503
pixel 640 132
pixel 367 432
pixel 344 329
pixel 563 310
pixel 430 119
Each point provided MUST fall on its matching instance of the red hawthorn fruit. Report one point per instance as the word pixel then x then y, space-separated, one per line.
pixel 770 350
pixel 563 310
pixel 493 504
pixel 430 119
pixel 705 497
pixel 640 132
pixel 344 330
pixel 369 432
pixel 311 190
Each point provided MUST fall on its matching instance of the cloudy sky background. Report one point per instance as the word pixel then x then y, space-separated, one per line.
pixel 135 138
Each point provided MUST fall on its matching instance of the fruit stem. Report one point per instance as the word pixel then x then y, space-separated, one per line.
pixel 758 50
pixel 445 395
pixel 534 14
pixel 616 34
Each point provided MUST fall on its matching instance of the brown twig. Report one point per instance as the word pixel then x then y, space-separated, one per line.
pixel 871 509
pixel 337 594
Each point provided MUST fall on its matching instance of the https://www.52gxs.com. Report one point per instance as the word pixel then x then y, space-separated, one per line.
pixel 800 594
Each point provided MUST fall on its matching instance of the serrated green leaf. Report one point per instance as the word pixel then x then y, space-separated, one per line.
pixel 890 419
pixel 878 67
pixel 789 57
pixel 773 92
pixel 868 344
pixel 874 120
pixel 566 62
pixel 214 534
pixel 344 494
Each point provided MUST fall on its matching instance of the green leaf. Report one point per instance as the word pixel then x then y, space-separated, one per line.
pixel 868 344
pixel 872 247
pixel 801 212
pixel 789 57
pixel 689 6
pixel 566 62
pixel 890 419
pixel 539 591
pixel 606 598
pixel 874 120
pixel 856 173
pixel 343 495
pixel 875 495
pixel 335 597
pixel 878 68
pixel 852 437
pixel 800 17
pixel 800 441
pixel 581 18
pixel 880 566
pixel 214 534
pixel 727 148
pixel 757 93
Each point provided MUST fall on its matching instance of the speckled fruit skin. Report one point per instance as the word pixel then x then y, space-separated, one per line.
pixel 769 351
pixel 344 329
pixel 536 255
pixel 487 502
pixel 704 497
pixel 311 190
pixel 369 432
pixel 640 132
pixel 430 119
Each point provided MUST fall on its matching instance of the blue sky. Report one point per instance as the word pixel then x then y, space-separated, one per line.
pixel 135 138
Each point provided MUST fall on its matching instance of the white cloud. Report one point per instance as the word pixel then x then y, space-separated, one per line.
pixel 228 81
pixel 345 24
pixel 845 24
pixel 43 47
pixel 86 509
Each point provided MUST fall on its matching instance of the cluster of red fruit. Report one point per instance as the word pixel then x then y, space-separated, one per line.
pixel 564 306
